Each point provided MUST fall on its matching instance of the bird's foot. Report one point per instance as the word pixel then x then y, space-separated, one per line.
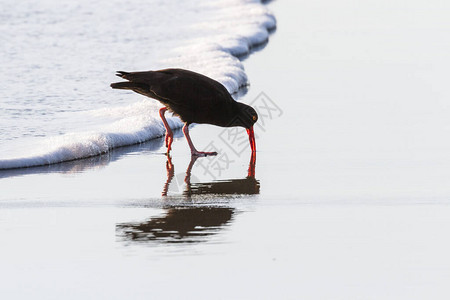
pixel 202 154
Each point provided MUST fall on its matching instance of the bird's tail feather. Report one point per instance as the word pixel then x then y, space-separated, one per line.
pixel 121 73
pixel 137 87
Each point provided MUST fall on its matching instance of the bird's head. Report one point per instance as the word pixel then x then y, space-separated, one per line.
pixel 247 117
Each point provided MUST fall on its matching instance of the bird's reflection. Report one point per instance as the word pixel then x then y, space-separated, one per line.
pixel 246 186
pixel 179 225
pixel 190 223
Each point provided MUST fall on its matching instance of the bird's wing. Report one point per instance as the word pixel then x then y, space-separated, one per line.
pixel 178 86
pixel 185 87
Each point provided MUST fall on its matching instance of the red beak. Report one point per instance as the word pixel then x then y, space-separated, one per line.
pixel 251 138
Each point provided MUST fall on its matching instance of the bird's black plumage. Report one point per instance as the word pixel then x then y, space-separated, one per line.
pixel 193 97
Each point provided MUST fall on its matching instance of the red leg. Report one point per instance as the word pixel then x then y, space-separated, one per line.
pixel 191 145
pixel 251 137
pixel 169 133
pixel 251 165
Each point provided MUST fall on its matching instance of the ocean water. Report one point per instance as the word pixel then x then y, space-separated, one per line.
pixel 59 57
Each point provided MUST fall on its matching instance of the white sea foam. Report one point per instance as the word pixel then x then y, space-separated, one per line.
pixel 232 32
pixel 128 125
pixel 226 30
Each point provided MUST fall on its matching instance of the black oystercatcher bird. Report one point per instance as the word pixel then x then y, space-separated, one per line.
pixel 193 97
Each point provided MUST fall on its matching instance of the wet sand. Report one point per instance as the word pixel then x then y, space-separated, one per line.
pixel 348 197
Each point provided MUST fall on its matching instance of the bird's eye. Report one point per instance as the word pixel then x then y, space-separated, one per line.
pixel 254 118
